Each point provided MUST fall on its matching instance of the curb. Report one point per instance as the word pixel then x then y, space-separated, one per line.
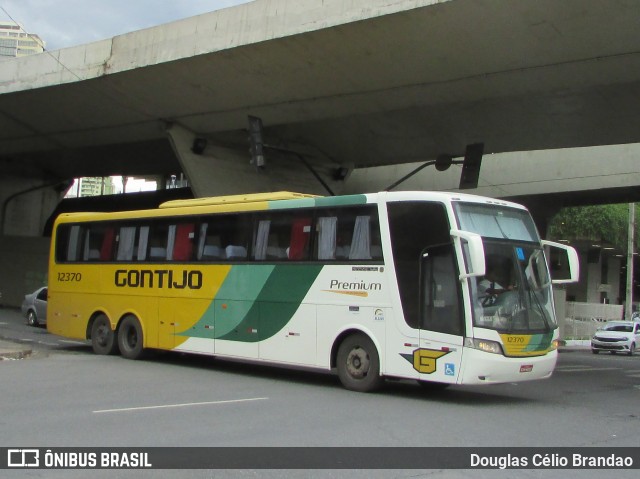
pixel 14 355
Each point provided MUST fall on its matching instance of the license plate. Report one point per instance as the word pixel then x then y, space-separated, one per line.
pixel 526 368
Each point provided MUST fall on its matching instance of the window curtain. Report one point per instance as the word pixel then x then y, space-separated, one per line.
pixel 144 241
pixel 126 243
pixel 171 241
pixel 262 240
pixel 86 254
pixel 494 225
pixel 361 241
pixel 183 247
pixel 202 239
pixel 327 227
pixel 299 238
pixel 107 245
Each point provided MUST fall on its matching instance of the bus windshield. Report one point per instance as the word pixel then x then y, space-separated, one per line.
pixel 515 294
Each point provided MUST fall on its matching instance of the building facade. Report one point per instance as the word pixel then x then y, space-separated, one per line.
pixel 16 42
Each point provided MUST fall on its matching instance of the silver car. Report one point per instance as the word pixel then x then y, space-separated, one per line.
pixel 34 307
pixel 617 336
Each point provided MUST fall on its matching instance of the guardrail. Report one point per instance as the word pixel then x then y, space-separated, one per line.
pixel 583 319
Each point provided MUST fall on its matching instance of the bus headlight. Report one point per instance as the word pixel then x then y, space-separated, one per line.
pixel 484 345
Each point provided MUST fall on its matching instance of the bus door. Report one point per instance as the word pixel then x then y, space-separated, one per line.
pixel 429 287
pixel 441 318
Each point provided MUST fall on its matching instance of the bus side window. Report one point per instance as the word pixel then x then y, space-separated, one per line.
pixel 74 244
pixel 282 236
pixel 414 226
pixel 348 234
pixel 98 242
pixel 209 244
pixel 235 231
pixel 68 244
pixel 158 241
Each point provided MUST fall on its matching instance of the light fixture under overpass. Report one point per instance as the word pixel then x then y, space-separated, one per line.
pixel 470 166
pixel 199 145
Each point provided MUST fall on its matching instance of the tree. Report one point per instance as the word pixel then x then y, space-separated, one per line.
pixel 602 223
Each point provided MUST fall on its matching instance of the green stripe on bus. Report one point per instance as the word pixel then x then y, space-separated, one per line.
pixel 286 204
pixel 276 304
pixel 341 200
pixel 539 342
pixel 326 201
pixel 255 302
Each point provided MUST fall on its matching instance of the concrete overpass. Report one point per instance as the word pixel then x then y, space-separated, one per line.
pixel 364 84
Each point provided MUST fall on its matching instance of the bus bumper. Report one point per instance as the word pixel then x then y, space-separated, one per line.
pixel 487 368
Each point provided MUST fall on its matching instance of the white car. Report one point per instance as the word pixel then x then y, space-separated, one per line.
pixel 617 336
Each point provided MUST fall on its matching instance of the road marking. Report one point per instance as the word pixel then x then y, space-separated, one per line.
pixel 580 369
pixel 71 342
pixel 164 406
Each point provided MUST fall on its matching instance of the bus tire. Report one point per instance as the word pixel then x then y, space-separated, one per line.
pixel 130 338
pixel 358 364
pixel 103 338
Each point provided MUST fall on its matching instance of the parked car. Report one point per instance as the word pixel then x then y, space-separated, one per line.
pixel 34 307
pixel 617 336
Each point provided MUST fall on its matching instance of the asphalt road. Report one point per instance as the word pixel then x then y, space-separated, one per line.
pixel 64 395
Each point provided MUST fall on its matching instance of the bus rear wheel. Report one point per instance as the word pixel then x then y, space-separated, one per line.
pixel 130 339
pixel 103 338
pixel 359 364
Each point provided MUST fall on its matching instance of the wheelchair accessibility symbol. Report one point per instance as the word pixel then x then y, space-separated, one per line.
pixel 449 369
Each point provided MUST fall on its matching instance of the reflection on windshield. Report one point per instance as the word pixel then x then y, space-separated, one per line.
pixel 515 294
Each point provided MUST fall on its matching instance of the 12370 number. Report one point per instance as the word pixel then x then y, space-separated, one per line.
pixel 69 277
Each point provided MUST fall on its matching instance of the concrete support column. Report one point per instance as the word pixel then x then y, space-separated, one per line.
pixel 217 171
pixel 25 205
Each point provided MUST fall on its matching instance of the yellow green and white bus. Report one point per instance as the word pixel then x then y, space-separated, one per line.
pixel 371 285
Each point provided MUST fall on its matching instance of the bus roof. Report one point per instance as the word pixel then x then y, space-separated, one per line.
pixel 235 199
pixel 276 200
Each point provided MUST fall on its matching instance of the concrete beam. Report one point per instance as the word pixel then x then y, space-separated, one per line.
pixel 218 171
pixel 508 175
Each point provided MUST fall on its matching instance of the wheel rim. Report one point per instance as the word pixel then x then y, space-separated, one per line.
pixel 131 338
pixel 358 363
pixel 31 318
pixel 102 334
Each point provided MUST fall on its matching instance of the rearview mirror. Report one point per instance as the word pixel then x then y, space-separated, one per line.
pixel 564 265
pixel 474 253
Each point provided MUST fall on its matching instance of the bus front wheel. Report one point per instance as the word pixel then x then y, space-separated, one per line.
pixel 103 338
pixel 359 364
pixel 130 339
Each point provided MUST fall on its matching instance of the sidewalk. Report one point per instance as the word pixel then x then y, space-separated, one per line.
pixel 575 345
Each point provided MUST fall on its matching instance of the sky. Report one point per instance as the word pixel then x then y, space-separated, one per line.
pixel 66 23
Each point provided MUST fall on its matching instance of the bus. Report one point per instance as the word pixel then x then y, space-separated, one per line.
pixel 371 286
